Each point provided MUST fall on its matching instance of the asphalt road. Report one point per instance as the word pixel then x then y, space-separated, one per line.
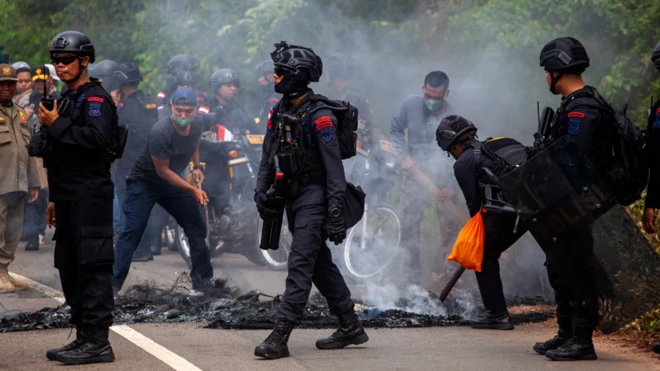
pixel 447 348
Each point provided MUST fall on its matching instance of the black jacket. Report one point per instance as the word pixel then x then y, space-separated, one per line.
pixel 138 112
pixel 79 163
pixel 653 133
pixel 322 152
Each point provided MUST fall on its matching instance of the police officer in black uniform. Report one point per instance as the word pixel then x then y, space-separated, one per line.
pixel 568 260
pixel 228 112
pixel 181 73
pixel 82 129
pixel 138 112
pixel 652 201
pixel 478 165
pixel 266 80
pixel 341 68
pixel 314 211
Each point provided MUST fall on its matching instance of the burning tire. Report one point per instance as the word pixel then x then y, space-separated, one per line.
pixel 373 243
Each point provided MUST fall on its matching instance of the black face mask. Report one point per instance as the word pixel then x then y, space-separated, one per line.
pixel 293 86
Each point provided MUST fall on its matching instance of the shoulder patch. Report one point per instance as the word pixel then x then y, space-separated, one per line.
pixel 274 100
pixel 94 109
pixel 22 116
pixel 327 137
pixel 269 123
pixel 161 94
pixel 323 122
pixel 203 110
pixel 150 106
pixel 95 99
pixel 656 124
pixel 574 122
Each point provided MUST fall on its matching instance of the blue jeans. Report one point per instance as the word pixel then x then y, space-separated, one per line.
pixel 140 199
pixel 116 211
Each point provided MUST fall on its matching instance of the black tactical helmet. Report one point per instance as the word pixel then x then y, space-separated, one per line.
pixel 265 68
pixel 223 76
pixel 340 65
pixel 180 77
pixel 127 73
pixel 655 57
pixel 183 62
pixel 21 66
pixel 73 42
pixel 452 130
pixel 564 53
pixel 104 69
pixel 294 58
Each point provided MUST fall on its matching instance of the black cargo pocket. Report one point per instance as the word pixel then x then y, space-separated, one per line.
pixel 301 222
pixel 96 245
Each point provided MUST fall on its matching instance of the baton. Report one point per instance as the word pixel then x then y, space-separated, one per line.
pixel 206 208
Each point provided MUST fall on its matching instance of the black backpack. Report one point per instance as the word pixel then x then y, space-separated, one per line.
pixel 347 123
pixel 628 170
pixel 506 155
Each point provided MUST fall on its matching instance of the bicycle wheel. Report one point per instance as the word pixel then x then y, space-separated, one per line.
pixel 373 243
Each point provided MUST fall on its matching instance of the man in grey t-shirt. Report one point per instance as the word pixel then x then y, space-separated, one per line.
pixel 173 142
pixel 420 115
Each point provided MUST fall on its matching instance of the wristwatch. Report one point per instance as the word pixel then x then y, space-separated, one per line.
pixel 335 212
pixel 200 167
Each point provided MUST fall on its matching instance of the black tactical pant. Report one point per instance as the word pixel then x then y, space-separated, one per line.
pixel 499 237
pixel 84 257
pixel 310 260
pixel 570 272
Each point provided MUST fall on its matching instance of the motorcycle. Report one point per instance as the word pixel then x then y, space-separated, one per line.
pixel 237 228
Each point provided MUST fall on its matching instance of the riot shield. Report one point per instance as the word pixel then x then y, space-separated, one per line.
pixel 559 195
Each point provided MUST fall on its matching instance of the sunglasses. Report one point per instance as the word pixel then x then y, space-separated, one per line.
pixel 65 60
pixel 188 111
pixel 279 71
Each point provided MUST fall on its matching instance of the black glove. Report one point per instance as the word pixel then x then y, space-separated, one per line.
pixel 336 228
pixel 263 206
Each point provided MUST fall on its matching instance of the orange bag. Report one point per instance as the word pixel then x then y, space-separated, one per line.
pixel 469 247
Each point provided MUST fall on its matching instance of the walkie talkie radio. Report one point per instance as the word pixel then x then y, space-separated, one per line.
pixel 47 100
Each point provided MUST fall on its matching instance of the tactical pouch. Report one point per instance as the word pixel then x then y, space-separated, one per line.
pixel 353 209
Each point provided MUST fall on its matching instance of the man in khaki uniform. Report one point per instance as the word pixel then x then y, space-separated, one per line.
pixel 19 175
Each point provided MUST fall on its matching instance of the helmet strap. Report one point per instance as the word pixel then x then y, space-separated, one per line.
pixel 554 80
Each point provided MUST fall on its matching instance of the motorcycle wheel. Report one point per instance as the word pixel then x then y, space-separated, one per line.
pixel 274 259
pixel 370 248
pixel 183 245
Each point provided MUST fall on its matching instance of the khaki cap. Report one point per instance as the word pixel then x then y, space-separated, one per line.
pixel 7 73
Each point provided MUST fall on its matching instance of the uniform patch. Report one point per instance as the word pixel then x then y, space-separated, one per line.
pixel 161 94
pixel 150 106
pixel 94 109
pixel 574 122
pixel 656 124
pixel 327 137
pixel 22 116
pixel 203 110
pixel 323 122
pixel 95 99
pixel 274 100
pixel 269 123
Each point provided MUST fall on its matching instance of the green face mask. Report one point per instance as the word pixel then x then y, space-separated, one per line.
pixel 434 105
pixel 183 122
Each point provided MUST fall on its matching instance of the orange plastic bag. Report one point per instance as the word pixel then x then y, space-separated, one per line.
pixel 469 247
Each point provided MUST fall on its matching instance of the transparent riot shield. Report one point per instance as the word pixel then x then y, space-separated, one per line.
pixel 559 195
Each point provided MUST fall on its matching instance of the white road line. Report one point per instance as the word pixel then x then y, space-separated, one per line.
pixel 168 357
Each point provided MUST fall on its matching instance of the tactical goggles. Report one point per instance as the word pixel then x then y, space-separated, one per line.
pixel 65 59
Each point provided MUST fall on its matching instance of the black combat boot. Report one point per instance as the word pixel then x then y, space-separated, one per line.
pixel 578 348
pixel 500 321
pixel 350 332
pixel 51 354
pixel 562 337
pixel 656 347
pixel 94 348
pixel 275 345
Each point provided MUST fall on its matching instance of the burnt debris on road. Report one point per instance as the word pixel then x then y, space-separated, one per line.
pixel 224 307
